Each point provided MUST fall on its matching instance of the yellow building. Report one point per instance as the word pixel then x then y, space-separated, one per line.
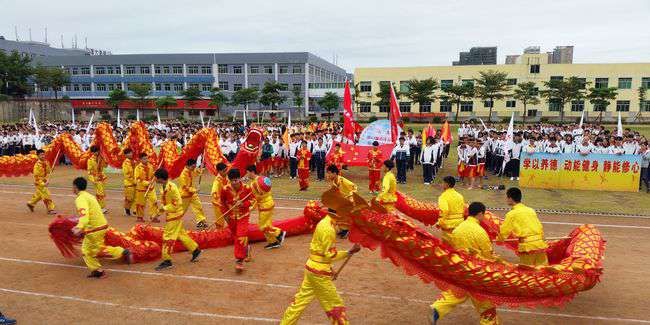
pixel 627 77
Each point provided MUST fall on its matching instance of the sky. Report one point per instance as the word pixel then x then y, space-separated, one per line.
pixel 360 33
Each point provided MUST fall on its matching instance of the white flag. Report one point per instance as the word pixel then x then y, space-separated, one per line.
pixel 31 117
pixel 245 124
pixel 119 123
pixel 509 142
pixel 201 115
pixel 158 115
pixel 289 122
pixel 90 123
pixel 74 125
pixel 137 115
pixel 619 132
pixel 484 127
pixel 582 118
pixel 209 120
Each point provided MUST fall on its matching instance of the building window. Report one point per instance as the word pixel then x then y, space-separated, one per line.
pixel 158 87
pixel 297 69
pixel 624 83
pixel 531 113
pixel 554 105
pixel 156 69
pixel 178 87
pixel 583 82
pixel 130 70
pixel 645 106
pixel 534 68
pixel 425 107
pixel 577 105
pixel 85 70
pixel 622 105
pixel 168 87
pixel 512 82
pixel 100 70
pixel 466 106
pixel 194 85
pixel 192 69
pixel 557 78
pixel 76 87
pixel 100 87
pixel 404 86
pixel 223 85
pixel 364 107
pixel 365 86
pixel 601 83
pixel 645 82
pixel 177 69
pixel 236 87
pixel 599 107
pixel 405 107
pixel 206 69
pixel 268 69
pixel 445 106
pixel 488 104
pixel 167 70
pixel 74 71
pixel 206 87
pixel 284 69
pixel 238 69
pixel 511 103
pixel 255 86
pixel 113 70
pixel 85 87
pixel 222 68
pixel 284 87
pixel 297 87
pixel 383 108
pixel 468 82
pixel 254 69
pixel 145 70
pixel 444 84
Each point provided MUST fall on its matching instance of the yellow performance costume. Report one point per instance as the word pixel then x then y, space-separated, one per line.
pixel 452 207
pixel 173 207
pixel 96 175
pixel 41 172
pixel 143 176
pixel 522 222
pixel 219 183
pixel 317 282
pixel 128 171
pixel 190 195
pixel 469 235
pixel 94 226
pixel 347 189
pixel 387 196
pixel 265 204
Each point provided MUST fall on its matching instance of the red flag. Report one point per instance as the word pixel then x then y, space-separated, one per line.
pixel 445 133
pixel 395 114
pixel 428 131
pixel 349 126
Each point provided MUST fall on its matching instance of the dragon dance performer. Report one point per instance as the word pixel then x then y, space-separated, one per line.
pixel 374 168
pixel 261 187
pixel 388 196
pixel 144 173
pixel 95 167
pixel 92 225
pixel 236 203
pixel 41 171
pixel 220 181
pixel 172 208
pixel 469 235
pixel 522 222
pixel 128 170
pixel 317 282
pixel 345 187
pixel 190 195
pixel 304 156
pixel 452 207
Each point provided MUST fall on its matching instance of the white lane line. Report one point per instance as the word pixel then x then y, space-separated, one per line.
pixel 147 309
pixel 354 294
pixel 595 224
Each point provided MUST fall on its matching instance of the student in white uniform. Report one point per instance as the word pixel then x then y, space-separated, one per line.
pixel 428 159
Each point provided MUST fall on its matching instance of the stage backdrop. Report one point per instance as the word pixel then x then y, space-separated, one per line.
pixel 377 131
pixel 574 171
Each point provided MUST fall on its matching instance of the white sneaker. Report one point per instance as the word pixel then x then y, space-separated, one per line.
pixel 104 210
pixel 427 183
pixel 512 178
pixel 517 178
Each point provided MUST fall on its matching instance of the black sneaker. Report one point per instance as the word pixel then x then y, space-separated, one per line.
pixel 273 245
pixel 128 256
pixel 201 225
pixel 195 255
pixel 127 211
pixel 281 237
pixel 166 264
pixel 239 266
pixel 97 274
pixel 343 234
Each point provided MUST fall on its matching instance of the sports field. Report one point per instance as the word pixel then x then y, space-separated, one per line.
pixel 40 286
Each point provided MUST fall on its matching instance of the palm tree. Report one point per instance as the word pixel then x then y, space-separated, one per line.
pixel 329 102
pixel 271 95
pixel 217 99
pixel 384 95
pixel 490 86
pixel 244 97
pixel 166 102
pixel 297 97
pixel 601 97
pixel 526 94
pixel 563 91
pixel 115 97
pixel 422 91
pixel 456 94
pixel 140 92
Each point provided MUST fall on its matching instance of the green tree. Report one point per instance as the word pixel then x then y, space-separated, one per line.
pixel 526 94
pixel 356 95
pixel 217 99
pixel 329 102
pixel 191 96
pixel 297 97
pixel 15 70
pixel 422 91
pixel 491 85
pixel 384 95
pixel 115 97
pixel 166 102
pixel 642 97
pixel 51 78
pixel 601 97
pixel 563 91
pixel 244 97
pixel 271 95
pixel 456 94
pixel 140 94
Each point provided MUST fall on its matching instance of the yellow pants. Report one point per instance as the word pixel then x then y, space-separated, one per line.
pixel 100 193
pixel 42 193
pixel 266 224
pixel 92 247
pixel 129 197
pixel 487 312
pixel 219 221
pixel 174 231
pixel 389 206
pixel 533 259
pixel 197 208
pixel 322 288
pixel 141 202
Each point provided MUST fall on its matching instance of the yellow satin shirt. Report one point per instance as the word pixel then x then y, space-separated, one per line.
pixel 89 211
pixel 388 188
pixel 322 249
pixel 522 222
pixel 452 206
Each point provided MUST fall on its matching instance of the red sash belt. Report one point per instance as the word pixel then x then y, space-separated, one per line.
pixel 100 228
pixel 318 272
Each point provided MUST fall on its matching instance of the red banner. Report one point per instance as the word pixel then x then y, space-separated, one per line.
pixel 354 155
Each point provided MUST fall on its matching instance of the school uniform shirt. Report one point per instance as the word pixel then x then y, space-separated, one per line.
pixel 516 150
pixel 293 148
pixel 462 154
pixel 616 150
pixel 645 159
pixel 320 151
pixel 568 147
pixel 472 156
pixel 584 148
pixel 553 148
pixel 630 148
pixel 401 152
pixel 429 155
